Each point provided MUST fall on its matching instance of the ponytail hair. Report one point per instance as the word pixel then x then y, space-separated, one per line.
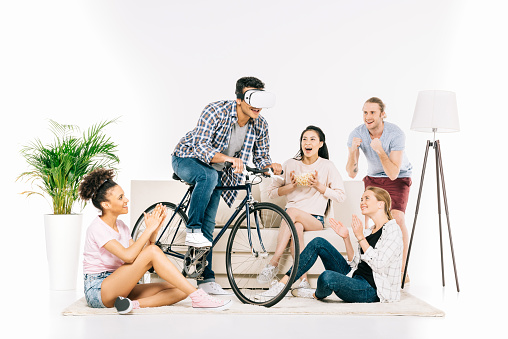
pixel 95 186
pixel 323 151
pixel 382 195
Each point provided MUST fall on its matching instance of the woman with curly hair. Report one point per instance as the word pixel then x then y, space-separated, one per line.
pixel 113 263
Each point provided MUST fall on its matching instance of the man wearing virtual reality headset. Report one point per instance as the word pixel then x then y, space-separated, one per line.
pixel 227 131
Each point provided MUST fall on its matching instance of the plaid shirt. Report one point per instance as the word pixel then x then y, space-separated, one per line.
pixel 385 260
pixel 211 136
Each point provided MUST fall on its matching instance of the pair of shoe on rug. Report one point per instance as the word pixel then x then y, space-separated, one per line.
pixel 303 290
pixel 201 299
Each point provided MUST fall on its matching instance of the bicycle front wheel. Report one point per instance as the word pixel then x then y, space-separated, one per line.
pixel 172 242
pixel 271 239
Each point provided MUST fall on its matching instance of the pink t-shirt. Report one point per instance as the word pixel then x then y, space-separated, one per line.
pixel 96 258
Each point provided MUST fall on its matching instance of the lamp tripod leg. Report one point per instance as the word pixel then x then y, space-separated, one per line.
pixel 439 210
pixel 447 214
pixel 416 212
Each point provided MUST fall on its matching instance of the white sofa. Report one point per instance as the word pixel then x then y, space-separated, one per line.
pixel 144 193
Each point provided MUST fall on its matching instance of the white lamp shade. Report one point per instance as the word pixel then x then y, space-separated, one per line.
pixel 436 111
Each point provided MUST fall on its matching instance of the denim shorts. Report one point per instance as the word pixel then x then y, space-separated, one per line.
pixel 92 286
pixel 320 218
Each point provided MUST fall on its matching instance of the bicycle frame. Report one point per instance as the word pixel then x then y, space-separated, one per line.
pixel 246 203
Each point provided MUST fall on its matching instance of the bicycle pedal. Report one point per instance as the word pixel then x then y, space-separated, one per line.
pixel 197 252
pixel 195 262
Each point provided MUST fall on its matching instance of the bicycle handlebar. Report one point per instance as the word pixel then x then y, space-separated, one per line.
pixel 228 164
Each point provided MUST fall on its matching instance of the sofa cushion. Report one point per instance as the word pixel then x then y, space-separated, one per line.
pixel 263 188
pixel 146 192
pixel 224 212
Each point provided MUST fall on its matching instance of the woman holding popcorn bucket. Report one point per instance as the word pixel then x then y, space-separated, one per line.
pixel 310 181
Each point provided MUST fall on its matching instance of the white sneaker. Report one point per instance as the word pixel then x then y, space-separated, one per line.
pixel 213 288
pixel 303 292
pixel 197 240
pixel 304 284
pixel 267 274
pixel 274 289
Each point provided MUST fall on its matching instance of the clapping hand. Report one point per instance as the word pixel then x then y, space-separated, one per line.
pixel 339 228
pixel 357 226
pixel 153 220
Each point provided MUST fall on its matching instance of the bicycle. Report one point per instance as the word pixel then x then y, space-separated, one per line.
pixel 251 244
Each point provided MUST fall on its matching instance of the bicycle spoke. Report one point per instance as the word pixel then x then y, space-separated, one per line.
pixel 173 234
pixel 247 258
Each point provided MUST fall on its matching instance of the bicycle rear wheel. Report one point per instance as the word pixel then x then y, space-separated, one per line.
pixel 244 263
pixel 172 242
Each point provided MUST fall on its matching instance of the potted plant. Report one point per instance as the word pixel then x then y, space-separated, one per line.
pixel 57 169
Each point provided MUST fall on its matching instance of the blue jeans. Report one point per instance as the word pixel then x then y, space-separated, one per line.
pixel 204 200
pixel 334 279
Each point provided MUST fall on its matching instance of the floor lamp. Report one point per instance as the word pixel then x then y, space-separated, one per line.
pixel 435 111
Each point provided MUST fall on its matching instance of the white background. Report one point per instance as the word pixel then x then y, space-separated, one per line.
pixel 156 64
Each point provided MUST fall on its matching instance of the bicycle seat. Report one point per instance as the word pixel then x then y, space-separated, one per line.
pixel 176 177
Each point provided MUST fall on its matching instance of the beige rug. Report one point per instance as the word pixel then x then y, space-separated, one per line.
pixel 408 305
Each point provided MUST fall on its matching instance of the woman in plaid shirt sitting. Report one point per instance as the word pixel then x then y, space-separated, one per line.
pixel 370 275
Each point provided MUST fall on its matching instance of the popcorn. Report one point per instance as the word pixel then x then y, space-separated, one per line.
pixel 303 179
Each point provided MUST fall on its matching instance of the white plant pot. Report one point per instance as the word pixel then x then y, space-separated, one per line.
pixel 63 235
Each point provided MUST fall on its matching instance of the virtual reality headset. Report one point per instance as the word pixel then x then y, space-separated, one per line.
pixel 258 98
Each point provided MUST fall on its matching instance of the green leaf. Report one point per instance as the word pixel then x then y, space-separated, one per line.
pixel 58 168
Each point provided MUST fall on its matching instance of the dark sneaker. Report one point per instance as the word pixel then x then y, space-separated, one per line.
pixel 123 305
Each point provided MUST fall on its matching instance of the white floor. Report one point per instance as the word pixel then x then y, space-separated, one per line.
pixel 467 312
pixel 30 309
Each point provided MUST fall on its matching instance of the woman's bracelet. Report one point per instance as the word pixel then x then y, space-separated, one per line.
pixel 359 240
